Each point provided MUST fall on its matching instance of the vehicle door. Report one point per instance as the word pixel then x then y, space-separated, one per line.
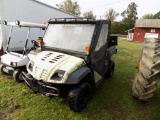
pixel 98 53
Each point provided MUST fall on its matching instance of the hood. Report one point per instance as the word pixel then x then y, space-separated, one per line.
pixel 53 67
pixel 14 57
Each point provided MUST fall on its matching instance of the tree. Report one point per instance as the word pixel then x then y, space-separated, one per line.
pixel 111 14
pixel 115 28
pixel 152 16
pixel 148 16
pixel 89 14
pixel 129 16
pixel 118 28
pixel 157 15
pixel 130 12
pixel 70 7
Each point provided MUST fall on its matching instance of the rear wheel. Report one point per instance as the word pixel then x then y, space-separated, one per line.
pixel 148 71
pixel 78 98
pixel 110 70
pixel 17 75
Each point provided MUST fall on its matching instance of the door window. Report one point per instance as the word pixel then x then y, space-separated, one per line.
pixel 102 37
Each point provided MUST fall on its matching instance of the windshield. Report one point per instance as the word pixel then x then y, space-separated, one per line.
pixel 74 37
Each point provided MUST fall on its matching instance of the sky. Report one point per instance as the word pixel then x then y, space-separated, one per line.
pixel 99 7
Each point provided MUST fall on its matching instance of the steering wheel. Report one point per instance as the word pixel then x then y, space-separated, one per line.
pixel 35 44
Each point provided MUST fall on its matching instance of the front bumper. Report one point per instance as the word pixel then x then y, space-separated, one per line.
pixel 8 70
pixel 40 86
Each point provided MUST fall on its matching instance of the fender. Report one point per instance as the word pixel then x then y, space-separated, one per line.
pixel 111 52
pixel 77 75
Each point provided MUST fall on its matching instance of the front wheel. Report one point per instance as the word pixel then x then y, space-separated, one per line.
pixel 78 98
pixel 1 69
pixel 17 75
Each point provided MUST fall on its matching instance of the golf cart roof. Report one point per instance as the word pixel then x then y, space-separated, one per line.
pixel 24 24
pixel 76 20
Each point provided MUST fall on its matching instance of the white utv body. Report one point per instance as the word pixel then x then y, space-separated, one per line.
pixel 14 62
pixel 76 57
pixel 54 67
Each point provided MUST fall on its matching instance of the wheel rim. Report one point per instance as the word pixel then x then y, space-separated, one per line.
pixel 20 76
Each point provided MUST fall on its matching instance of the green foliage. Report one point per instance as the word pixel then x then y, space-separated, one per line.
pixel 148 16
pixel 128 21
pixel 89 14
pixel 118 28
pixel 131 11
pixel 70 7
pixel 111 101
pixel 152 16
pixel 111 14
pixel 129 16
pixel 157 15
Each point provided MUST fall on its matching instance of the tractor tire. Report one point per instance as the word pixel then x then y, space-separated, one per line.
pixel 110 70
pixel 1 69
pixel 78 97
pixel 148 71
pixel 17 75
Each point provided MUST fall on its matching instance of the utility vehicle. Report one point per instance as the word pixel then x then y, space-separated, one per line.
pixel 13 62
pixel 76 57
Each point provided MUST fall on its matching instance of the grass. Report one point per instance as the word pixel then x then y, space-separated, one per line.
pixel 111 101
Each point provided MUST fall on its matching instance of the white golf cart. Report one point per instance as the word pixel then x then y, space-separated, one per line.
pixel 14 62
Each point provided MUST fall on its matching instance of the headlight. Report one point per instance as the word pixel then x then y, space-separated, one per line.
pixel 58 75
pixel 14 64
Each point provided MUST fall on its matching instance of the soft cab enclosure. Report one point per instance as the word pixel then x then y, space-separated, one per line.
pixel 74 37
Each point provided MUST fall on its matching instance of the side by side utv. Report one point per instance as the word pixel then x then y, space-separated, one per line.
pixel 76 57
pixel 13 62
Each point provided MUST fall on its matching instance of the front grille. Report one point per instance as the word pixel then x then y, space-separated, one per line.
pixel 36 72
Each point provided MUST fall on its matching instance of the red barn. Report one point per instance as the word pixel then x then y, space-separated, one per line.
pixel 146 28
